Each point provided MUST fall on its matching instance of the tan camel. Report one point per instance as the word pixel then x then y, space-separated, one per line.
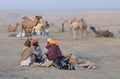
pixel 79 62
pixel 28 24
pixel 12 30
pixel 78 25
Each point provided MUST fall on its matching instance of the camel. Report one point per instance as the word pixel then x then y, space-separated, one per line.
pixel 102 33
pixel 12 30
pixel 75 61
pixel 78 25
pixel 28 24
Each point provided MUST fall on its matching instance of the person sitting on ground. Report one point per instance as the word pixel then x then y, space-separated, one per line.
pixel 54 52
pixel 27 57
pixel 38 51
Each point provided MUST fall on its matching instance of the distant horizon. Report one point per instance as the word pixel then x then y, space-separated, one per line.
pixel 62 10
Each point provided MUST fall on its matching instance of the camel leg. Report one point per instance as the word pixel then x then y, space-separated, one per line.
pixel 85 34
pixel 30 34
pixel 71 29
pixel 74 34
pixel 26 33
pixel 81 34
pixel 21 33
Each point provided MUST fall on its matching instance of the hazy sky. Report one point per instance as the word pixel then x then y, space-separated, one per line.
pixel 59 4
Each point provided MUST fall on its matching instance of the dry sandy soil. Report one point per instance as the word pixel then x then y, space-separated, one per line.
pixel 104 52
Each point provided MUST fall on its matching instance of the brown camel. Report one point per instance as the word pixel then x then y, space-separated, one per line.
pixel 28 24
pixel 78 25
pixel 102 33
pixel 12 30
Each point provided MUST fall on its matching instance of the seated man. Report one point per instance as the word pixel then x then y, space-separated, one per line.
pixel 54 51
pixel 31 55
pixel 37 51
pixel 27 54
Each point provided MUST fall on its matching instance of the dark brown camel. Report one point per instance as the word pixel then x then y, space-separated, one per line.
pixel 28 24
pixel 102 33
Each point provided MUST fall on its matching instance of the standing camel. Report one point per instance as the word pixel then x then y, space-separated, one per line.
pixel 28 24
pixel 78 25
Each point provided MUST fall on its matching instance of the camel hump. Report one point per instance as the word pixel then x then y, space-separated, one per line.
pixel 73 20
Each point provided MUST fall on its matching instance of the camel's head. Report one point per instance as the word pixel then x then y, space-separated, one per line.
pixel 92 28
pixel 81 19
pixel 38 17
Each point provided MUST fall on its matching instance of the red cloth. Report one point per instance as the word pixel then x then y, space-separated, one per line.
pixel 54 52
pixel 35 42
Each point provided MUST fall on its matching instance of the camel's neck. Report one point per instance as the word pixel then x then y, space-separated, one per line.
pixel 94 30
pixel 36 22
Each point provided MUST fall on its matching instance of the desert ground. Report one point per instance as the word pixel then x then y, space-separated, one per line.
pixel 104 52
